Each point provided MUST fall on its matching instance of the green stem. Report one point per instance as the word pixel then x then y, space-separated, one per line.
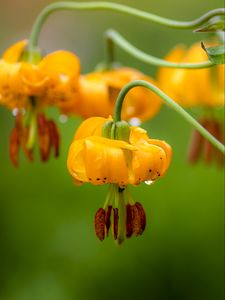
pixel 171 103
pixel 109 53
pixel 115 37
pixel 66 5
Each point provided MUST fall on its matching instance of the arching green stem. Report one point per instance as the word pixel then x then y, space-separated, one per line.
pixel 68 5
pixel 171 103
pixel 113 36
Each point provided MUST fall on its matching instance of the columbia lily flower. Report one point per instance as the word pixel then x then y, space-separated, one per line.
pixel 28 83
pixel 107 152
pixel 203 88
pixel 98 92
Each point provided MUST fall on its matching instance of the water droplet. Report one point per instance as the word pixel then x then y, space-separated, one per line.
pixel 149 182
pixel 135 121
pixel 15 111
pixel 63 119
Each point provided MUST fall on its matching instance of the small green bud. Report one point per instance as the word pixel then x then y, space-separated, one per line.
pixel 122 131
pixel 106 129
pixel 113 131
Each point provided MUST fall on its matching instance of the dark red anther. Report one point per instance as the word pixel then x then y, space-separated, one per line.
pixel 54 137
pixel 135 220
pixel 142 217
pixel 43 136
pixel 99 224
pixel 14 146
pixel 129 227
pixel 107 219
pixel 115 222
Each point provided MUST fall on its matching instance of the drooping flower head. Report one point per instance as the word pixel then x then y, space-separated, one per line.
pixel 30 82
pixel 202 89
pixel 105 152
pixel 98 92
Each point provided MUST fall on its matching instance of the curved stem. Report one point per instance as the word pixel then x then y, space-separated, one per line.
pixel 113 36
pixel 65 5
pixel 171 103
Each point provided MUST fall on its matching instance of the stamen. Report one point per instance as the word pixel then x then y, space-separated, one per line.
pixel 54 136
pixel 142 216
pixel 100 224
pixel 129 227
pixel 107 219
pixel 14 144
pixel 43 136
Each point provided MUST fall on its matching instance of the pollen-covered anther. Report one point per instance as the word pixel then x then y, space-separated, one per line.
pixel 43 136
pixel 48 137
pixel 54 136
pixel 14 144
pixel 136 219
pixel 18 138
pixel 99 224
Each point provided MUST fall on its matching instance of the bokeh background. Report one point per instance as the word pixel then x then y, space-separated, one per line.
pixel 48 249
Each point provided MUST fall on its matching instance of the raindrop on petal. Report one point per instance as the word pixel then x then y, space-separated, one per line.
pixel 149 182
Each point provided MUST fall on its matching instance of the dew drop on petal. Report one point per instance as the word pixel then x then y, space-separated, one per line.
pixel 149 182
pixel 63 119
pixel 135 121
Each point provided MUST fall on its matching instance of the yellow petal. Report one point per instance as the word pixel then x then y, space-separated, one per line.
pixel 33 80
pixel 148 163
pixel 13 54
pixel 103 161
pixel 99 160
pixel 91 126
pixel 62 64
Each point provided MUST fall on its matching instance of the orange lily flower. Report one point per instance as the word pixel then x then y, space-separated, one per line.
pixel 99 90
pixel 30 86
pixel 190 88
pixel 99 160
pixel 202 88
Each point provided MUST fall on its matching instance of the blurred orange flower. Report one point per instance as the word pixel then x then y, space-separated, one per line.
pixel 191 88
pixel 203 88
pixel 29 82
pixel 99 90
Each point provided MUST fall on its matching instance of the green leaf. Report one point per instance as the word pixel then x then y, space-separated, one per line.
pixel 215 54
pixel 212 27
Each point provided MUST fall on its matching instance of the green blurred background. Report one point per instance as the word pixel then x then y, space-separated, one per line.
pixel 48 249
